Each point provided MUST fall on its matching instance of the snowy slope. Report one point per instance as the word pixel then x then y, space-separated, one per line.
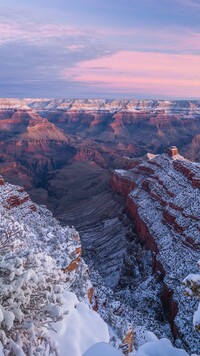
pixel 40 263
pixel 43 285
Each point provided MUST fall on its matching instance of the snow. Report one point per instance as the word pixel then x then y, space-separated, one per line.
pixel 111 106
pixel 9 317
pixel 162 347
pixel 80 327
pixel 192 278
pixel 34 249
pixel 71 328
pixel 1 349
pixel 102 349
pixel 196 317
pixel 1 314
pixel 153 347
pixel 168 205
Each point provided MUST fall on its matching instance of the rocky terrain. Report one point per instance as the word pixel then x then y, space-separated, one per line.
pixel 63 153
pixel 133 127
pixel 163 200
pixel 30 233
pixel 40 270
pixel 44 143
pixel 45 232
pixel 42 233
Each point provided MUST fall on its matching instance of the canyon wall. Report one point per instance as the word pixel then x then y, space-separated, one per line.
pixel 164 205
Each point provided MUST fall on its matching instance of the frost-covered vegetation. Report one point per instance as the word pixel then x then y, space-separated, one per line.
pixel 192 289
pixel 31 288
pixel 38 313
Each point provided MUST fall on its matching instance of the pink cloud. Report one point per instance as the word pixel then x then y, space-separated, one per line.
pixel 155 73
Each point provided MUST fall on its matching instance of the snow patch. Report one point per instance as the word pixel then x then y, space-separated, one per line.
pixel 80 327
pixel 102 349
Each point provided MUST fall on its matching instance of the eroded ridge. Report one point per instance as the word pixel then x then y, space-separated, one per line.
pixel 164 202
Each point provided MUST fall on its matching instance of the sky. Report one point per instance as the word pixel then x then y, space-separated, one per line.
pixel 144 49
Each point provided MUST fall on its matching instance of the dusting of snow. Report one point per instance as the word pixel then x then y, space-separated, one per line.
pixel 189 108
pixel 37 311
pixel 168 202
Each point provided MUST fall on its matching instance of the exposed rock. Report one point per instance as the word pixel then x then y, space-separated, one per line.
pixel 172 151
pixel 44 233
pixel 165 206
pixel 2 182
pixel 122 185
pixel 152 125
pixel 128 340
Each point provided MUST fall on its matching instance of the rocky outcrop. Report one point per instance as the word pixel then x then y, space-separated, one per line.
pixel 152 125
pixel 16 199
pixel 44 233
pixel 2 182
pixel 122 184
pixel 165 207
pixel 190 171
pixel 42 135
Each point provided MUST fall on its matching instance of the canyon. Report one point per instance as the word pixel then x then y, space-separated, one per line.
pixel 44 143
pixel 137 212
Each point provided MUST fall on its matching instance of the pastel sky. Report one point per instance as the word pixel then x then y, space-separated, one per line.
pixel 100 48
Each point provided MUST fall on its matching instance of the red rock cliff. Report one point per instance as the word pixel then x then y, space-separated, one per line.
pixel 164 204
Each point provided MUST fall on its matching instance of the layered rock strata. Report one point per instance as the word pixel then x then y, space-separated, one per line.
pixel 42 232
pixel 165 205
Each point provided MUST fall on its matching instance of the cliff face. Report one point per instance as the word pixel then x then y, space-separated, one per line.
pixel 43 233
pixel 151 124
pixel 165 204
pixel 121 184
pixel 42 135
pixel 30 145
pixel 41 269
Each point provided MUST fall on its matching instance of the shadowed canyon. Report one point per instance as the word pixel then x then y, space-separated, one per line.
pixel 105 167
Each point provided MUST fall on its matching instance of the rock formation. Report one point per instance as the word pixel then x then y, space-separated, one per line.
pixel 164 204
pixel 139 126
pixel 43 233
pixel 62 151
pixel 39 136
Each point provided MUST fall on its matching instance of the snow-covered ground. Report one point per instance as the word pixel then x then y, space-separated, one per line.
pixel 40 266
pixel 80 327
pixel 42 308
